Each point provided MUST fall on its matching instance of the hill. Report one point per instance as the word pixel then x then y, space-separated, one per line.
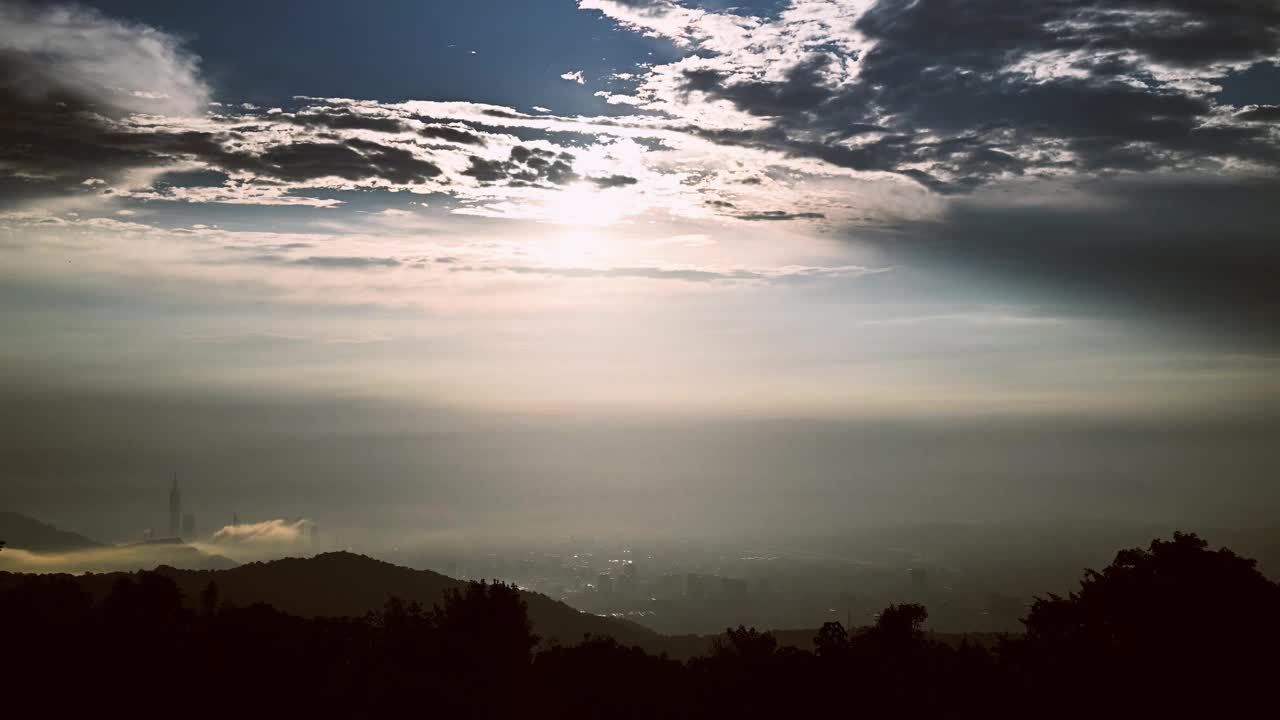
pixel 341 584
pixel 32 546
pixel 26 533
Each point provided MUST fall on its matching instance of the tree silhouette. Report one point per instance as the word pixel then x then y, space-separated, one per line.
pixel 901 622
pixel 209 599
pixel 833 642
pixel 1175 615
pixel 589 673
pixel 483 641
pixel 1169 629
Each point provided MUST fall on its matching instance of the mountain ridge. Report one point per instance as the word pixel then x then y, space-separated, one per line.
pixel 23 532
pixel 345 584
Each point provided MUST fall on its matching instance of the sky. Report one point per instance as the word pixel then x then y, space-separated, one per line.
pixel 454 269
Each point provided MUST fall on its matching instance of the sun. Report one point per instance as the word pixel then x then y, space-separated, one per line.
pixel 584 204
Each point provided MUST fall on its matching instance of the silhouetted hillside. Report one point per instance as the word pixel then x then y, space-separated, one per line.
pixel 1173 630
pixel 26 533
pixel 342 584
pixel 37 547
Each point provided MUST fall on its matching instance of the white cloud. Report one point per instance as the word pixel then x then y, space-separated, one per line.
pixel 268 532
pixel 574 76
pixel 262 540
pixel 121 66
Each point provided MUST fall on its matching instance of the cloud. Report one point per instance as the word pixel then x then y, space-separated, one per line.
pixel 780 215
pixel 69 80
pixel 125 558
pixel 867 114
pixel 263 540
pixel 574 76
pixel 451 134
pixel 1196 255
pixel 323 261
pixel 277 531
pixel 327 261
pixel 1260 113
pixel 684 274
pixel 993 107
pixel 525 166
pixel 88 103
pixel 348 121
pixel 353 160
pixel 613 181
pixel 949 95
pixel 955 94
pixel 76 58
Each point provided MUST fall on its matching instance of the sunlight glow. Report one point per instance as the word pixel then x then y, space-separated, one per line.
pixel 584 204
pixel 575 249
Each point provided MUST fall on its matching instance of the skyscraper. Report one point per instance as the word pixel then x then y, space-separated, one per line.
pixel 175 508
pixel 919 584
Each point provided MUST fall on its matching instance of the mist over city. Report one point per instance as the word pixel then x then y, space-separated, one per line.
pixel 736 348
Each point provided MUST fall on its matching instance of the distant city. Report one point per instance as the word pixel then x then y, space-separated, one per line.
pixel 182 525
pixel 683 588
pixel 983 583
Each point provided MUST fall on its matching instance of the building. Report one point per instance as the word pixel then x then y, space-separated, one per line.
pixel 626 584
pixel 919 583
pixel 175 509
pixel 733 590
pixel 669 585
pixel 698 586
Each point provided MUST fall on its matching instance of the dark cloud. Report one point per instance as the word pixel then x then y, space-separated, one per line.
pixel 68 115
pixel 486 171
pixel 351 160
pixel 450 134
pixel 526 166
pixel 58 145
pixel 988 34
pixel 344 120
pixel 330 261
pixel 652 273
pixel 780 215
pixel 613 181
pixel 70 80
pixel 334 262
pixel 945 96
pixel 793 275
pixel 62 146
pixel 803 89
pixel 1200 256
pixel 1260 113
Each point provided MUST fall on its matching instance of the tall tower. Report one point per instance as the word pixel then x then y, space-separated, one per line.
pixel 175 508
